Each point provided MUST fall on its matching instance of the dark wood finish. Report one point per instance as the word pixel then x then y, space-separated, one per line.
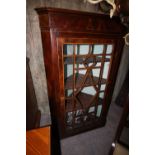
pixel 78 22
pixel 60 27
pixel 85 98
pixel 80 60
pixel 38 141
pixel 69 81
pixel 33 114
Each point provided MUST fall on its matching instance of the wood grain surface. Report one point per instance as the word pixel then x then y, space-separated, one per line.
pixel 59 27
pixel 38 141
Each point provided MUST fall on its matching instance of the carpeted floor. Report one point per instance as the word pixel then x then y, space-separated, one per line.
pixel 94 142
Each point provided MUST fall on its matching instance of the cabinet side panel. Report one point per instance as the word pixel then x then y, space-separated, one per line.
pixel 45 34
pixel 57 82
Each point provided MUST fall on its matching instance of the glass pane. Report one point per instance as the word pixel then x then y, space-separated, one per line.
pixel 109 49
pixel 90 64
pixel 68 49
pixel 79 60
pixel 98 64
pixel 68 70
pixel 81 71
pixel 69 118
pixel 79 112
pixel 85 118
pixel 108 56
pixel 99 109
pixel 68 76
pixel 89 90
pixel 101 95
pixel 79 66
pixel 91 109
pixel 106 70
pixel 96 72
pixel 68 92
pixel 102 87
pixel 78 120
pixel 82 49
pixel 98 49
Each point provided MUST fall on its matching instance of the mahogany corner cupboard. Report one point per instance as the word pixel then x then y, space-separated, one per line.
pixel 82 52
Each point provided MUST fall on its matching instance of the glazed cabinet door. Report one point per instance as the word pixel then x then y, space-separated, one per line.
pixel 86 66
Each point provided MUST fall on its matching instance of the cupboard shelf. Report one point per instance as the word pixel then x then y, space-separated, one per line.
pixel 79 79
pixel 80 60
pixel 85 100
